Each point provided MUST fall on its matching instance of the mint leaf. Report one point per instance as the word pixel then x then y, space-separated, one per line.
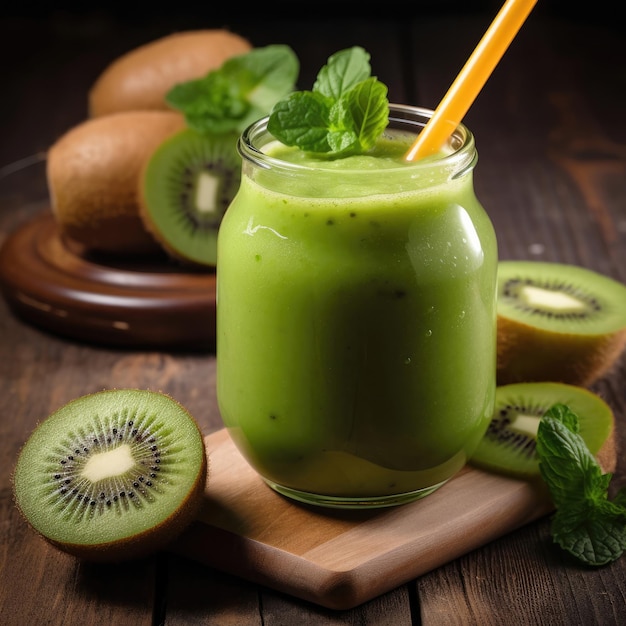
pixel 343 71
pixel 302 120
pixel 566 464
pixel 368 107
pixel 565 415
pixel 586 523
pixel 210 104
pixel 594 535
pixel 242 90
pixel 344 114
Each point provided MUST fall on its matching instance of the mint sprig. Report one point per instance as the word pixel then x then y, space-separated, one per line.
pixel 242 90
pixel 586 523
pixel 344 114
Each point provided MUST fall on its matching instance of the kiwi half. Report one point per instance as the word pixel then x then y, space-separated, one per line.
pixel 509 445
pixel 185 189
pixel 557 322
pixel 113 475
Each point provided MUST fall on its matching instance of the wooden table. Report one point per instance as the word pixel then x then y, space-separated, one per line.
pixel 551 134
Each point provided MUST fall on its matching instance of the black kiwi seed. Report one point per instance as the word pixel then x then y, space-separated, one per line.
pixel 499 429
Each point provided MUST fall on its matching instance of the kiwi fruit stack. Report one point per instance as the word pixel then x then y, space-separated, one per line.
pixel 105 198
pixel 557 322
pixel 509 445
pixel 112 476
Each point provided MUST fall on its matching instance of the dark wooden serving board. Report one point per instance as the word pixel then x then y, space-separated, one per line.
pixel 340 559
pixel 143 302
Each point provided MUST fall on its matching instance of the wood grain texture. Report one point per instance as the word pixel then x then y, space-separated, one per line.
pixel 558 97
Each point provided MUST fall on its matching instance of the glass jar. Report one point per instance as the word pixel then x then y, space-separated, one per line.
pixel 356 317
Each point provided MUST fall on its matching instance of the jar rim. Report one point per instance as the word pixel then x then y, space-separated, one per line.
pixel 461 158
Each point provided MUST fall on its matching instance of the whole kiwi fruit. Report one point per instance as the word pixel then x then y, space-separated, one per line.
pixel 557 322
pixel 113 475
pixel 93 172
pixel 140 78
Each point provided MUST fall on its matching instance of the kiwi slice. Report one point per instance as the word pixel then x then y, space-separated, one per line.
pixel 113 475
pixel 185 189
pixel 509 445
pixel 557 322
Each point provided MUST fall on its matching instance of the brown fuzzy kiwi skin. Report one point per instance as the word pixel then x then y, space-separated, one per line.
pixel 148 542
pixel 528 354
pixel 141 78
pixel 607 455
pixel 93 172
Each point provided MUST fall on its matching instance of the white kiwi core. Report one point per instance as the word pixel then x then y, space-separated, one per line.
pixel 110 463
pixel 206 192
pixel 526 425
pixel 538 297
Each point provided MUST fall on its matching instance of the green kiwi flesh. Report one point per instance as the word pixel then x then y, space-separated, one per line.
pixel 113 475
pixel 185 189
pixel 557 322
pixel 509 445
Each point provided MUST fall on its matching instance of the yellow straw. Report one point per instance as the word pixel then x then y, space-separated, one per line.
pixel 471 78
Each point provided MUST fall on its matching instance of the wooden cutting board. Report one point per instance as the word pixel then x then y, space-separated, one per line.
pixel 340 559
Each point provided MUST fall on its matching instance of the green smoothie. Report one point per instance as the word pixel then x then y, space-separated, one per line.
pixel 356 320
